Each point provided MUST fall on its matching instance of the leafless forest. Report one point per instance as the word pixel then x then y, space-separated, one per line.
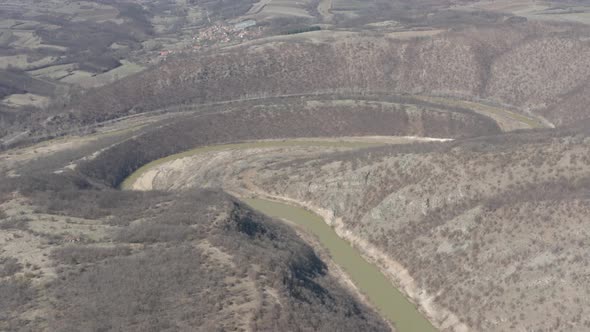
pixel 472 197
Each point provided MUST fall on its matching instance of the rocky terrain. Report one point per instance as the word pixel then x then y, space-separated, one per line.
pixel 449 213
pixel 78 255
pixel 446 140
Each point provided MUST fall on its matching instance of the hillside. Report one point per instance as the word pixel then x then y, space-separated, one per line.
pixel 450 214
pixel 487 63
pixel 443 144
pixel 100 260
pixel 60 193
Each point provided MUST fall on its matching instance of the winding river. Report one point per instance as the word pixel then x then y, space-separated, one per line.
pixel 390 302
pixel 381 293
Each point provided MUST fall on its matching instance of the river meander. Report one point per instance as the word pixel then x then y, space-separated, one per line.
pixel 381 293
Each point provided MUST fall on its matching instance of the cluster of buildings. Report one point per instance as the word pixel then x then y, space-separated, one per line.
pixel 222 33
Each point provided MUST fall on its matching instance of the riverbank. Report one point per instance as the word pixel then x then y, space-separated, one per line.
pixel 397 275
pixel 388 300
pixel 394 274
pixel 130 182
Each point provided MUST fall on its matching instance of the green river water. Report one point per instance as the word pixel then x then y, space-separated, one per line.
pixel 390 302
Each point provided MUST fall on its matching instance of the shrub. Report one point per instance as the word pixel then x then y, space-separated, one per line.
pixel 87 254
pixel 14 223
pixel 14 293
pixel 9 266
pixel 152 233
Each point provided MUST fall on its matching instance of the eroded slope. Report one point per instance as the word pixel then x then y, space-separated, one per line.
pixel 112 260
pixel 490 230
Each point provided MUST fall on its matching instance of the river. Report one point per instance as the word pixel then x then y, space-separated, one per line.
pixel 367 277
pixel 390 302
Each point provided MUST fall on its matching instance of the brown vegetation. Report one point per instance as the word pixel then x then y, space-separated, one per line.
pixel 197 259
pixel 452 215
pixel 258 121
pixel 477 63
pixel 493 226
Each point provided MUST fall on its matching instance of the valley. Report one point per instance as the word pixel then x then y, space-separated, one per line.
pixel 278 165
pixel 388 300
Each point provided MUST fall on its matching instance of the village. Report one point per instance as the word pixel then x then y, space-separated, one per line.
pixel 216 34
